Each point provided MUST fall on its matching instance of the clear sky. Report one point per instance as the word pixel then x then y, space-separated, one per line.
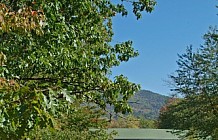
pixel 160 36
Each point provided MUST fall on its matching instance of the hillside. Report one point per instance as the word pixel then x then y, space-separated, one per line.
pixel 147 104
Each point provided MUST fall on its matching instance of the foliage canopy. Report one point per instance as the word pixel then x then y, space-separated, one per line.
pixel 54 53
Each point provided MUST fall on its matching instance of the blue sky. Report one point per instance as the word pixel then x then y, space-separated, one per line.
pixel 160 36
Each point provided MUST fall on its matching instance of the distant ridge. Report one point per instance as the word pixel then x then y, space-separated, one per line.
pixel 147 104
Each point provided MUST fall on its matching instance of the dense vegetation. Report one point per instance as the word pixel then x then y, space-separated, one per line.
pixel 55 56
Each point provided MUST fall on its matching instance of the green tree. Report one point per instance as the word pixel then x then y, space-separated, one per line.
pixel 56 52
pixel 197 81
pixel 147 123
pixel 128 121
pixel 75 123
pixel 166 119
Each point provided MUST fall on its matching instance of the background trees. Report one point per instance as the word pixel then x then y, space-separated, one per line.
pixel 54 53
pixel 197 81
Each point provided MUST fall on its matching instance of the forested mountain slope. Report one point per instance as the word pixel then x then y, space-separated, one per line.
pixel 147 104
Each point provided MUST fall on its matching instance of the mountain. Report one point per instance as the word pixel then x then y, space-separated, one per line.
pixel 146 104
